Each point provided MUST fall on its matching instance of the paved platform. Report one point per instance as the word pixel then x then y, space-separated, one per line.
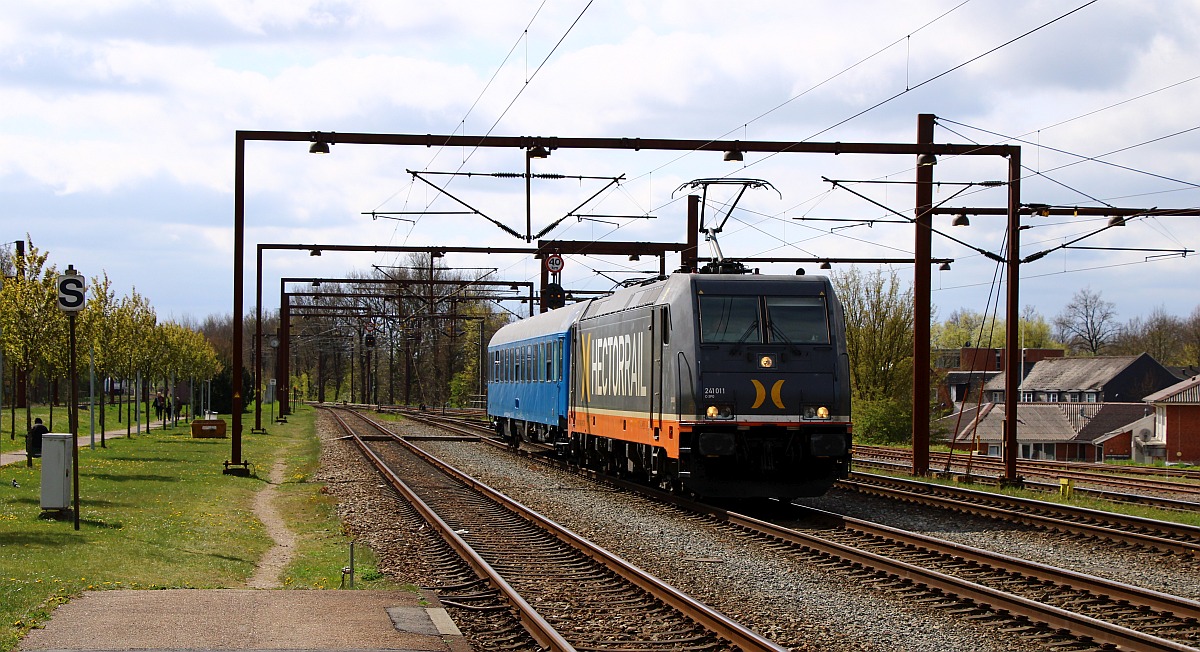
pixel 17 455
pixel 248 619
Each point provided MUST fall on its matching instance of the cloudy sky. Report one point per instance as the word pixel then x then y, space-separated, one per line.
pixel 118 121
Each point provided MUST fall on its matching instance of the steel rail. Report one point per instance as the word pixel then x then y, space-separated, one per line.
pixel 1046 487
pixel 1078 624
pixel 870 483
pixel 1081 626
pixel 1178 606
pixel 537 626
pixel 721 625
pixel 1099 471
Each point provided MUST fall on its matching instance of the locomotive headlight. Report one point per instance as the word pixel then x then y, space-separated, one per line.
pixel 822 412
pixel 766 361
pixel 718 411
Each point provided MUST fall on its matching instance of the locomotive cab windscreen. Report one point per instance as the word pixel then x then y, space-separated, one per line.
pixel 789 320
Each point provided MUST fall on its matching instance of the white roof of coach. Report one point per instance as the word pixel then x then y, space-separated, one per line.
pixel 547 323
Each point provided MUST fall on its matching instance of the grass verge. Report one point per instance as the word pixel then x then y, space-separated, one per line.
pixel 157 512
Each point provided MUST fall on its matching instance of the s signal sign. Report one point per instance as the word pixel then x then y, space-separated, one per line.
pixel 72 290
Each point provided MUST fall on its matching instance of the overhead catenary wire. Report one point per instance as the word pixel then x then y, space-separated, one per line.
pixel 928 80
pixel 908 89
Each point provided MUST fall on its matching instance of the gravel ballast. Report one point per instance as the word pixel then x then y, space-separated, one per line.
pixel 799 604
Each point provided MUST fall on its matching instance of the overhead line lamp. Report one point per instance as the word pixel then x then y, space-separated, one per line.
pixel 537 151
pixel 926 159
pixel 1116 220
pixel 733 155
pixel 319 144
pixel 961 220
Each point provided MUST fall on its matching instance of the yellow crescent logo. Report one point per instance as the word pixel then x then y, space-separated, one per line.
pixel 760 394
pixel 776 390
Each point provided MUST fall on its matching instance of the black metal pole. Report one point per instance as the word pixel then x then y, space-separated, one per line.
pixel 922 283
pixel 74 419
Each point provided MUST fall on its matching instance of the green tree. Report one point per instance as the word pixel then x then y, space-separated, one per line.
pixel 967 328
pixel 33 326
pixel 1036 332
pixel 879 341
pixel 100 335
pixel 1191 338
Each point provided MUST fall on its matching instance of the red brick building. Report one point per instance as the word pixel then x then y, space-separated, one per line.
pixel 1177 420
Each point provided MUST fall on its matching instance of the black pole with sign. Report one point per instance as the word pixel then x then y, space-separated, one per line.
pixel 71 299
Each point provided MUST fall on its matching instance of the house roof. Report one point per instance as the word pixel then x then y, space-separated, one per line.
pixel 1186 392
pixel 1070 374
pixel 957 377
pixel 1142 429
pixel 1046 422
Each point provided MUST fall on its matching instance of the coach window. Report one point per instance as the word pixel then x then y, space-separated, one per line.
pixel 797 320
pixel 557 347
pixel 728 319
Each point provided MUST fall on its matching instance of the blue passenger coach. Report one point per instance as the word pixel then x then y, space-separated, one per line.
pixel 529 381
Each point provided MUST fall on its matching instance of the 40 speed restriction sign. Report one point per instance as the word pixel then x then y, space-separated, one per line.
pixel 554 263
pixel 72 290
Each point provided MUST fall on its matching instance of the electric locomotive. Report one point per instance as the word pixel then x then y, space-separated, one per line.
pixel 722 385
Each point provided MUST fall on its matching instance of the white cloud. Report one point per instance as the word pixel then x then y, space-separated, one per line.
pixel 132 106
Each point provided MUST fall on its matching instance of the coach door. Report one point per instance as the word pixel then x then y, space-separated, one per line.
pixel 660 324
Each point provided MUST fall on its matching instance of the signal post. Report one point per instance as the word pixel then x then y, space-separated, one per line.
pixel 72 297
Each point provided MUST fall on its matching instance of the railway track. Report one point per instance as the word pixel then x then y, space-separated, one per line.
pixel 569 594
pixel 938 458
pixel 1129 530
pixel 1049 596
pixel 1107 482
pixel 1037 601
pixel 1151 534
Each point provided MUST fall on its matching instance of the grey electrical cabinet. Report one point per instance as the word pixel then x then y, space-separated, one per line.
pixel 56 471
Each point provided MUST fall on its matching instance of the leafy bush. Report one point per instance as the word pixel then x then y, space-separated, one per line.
pixel 882 421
